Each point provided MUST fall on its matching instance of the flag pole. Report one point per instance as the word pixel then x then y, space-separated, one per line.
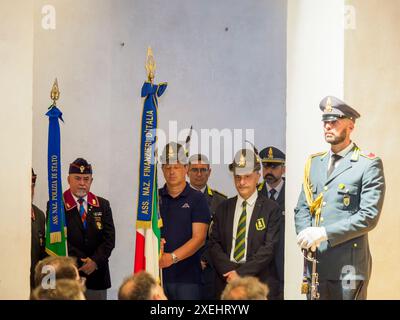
pixel 148 220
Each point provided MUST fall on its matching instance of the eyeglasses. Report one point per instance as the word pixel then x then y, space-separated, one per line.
pixel 199 170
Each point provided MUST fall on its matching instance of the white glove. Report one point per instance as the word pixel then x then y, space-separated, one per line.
pixel 311 236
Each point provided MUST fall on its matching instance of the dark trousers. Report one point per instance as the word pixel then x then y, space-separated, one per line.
pixel 96 294
pixel 182 291
pixel 208 283
pixel 342 290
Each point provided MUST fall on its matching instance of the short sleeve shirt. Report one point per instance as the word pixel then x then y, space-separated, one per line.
pixel 177 215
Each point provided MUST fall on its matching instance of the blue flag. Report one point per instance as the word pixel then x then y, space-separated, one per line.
pixel 55 231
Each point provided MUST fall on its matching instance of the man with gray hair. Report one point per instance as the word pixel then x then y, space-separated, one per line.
pixel 199 173
pixel 185 216
pixel 245 229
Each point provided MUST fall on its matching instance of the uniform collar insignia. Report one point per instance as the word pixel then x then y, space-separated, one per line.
pixel 92 200
pixel 69 200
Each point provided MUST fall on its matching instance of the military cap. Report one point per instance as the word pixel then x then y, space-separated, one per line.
pixel 198 158
pixel 334 109
pixel 34 176
pixel 272 155
pixel 80 166
pixel 173 153
pixel 245 162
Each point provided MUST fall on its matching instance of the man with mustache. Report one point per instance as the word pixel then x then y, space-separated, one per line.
pixel 245 229
pixel 273 187
pixel 90 230
pixel 340 202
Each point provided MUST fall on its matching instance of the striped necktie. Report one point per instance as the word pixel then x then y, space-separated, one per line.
pixel 240 242
pixel 82 212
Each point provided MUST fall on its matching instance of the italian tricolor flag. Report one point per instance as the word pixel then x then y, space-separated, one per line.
pixel 148 240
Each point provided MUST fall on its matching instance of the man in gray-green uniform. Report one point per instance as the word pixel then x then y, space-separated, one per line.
pixel 199 172
pixel 345 188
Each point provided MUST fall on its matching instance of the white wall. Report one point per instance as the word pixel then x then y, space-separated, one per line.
pixel 217 79
pixel 372 85
pixel 16 56
pixel 315 51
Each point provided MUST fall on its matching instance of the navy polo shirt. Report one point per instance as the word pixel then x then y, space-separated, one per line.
pixel 177 215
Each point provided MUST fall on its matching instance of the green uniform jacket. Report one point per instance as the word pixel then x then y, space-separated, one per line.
pixel 352 201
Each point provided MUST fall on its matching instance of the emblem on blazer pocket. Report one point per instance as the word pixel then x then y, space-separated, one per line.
pixel 260 224
pixel 346 200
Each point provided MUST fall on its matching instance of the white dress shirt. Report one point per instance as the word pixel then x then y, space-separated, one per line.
pixel 251 201
pixel 78 204
pixel 278 189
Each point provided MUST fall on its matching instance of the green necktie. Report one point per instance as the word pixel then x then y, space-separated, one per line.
pixel 240 242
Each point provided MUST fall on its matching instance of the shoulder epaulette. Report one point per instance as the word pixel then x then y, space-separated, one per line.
pixel 322 154
pixel 368 155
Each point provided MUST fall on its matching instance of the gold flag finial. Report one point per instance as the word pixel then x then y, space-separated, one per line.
pixel 150 65
pixel 55 92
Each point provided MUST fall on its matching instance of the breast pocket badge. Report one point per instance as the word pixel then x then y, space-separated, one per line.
pixel 260 224
pixel 346 200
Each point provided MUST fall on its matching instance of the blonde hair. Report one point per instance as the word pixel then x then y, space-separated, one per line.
pixel 245 288
pixel 65 289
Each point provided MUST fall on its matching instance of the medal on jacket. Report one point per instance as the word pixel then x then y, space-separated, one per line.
pixel 260 224
pixel 99 225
